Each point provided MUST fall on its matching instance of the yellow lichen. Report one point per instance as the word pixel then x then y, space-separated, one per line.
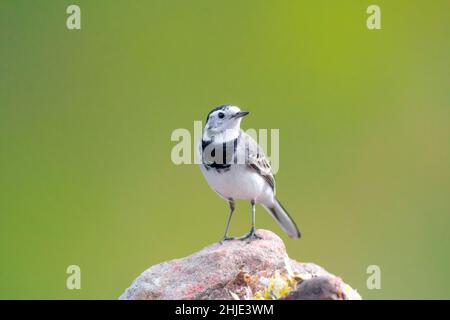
pixel 279 285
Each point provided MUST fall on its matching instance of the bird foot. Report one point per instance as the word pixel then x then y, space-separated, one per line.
pixel 226 238
pixel 250 236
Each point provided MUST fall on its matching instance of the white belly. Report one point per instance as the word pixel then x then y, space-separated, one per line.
pixel 240 182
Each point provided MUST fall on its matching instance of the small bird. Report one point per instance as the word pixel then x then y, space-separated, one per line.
pixel 235 167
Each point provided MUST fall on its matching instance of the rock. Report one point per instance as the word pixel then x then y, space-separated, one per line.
pixel 323 288
pixel 236 269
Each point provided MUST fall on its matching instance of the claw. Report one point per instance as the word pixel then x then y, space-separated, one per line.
pixel 226 238
pixel 250 236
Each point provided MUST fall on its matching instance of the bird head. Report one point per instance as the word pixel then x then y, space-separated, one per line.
pixel 222 120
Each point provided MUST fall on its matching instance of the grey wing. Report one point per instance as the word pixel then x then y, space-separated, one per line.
pixel 257 160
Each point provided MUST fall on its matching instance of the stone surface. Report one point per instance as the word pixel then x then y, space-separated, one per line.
pixel 323 288
pixel 237 267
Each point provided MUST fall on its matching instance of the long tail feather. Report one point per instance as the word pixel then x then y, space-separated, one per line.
pixel 284 219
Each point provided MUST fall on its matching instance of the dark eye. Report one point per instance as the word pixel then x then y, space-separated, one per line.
pixel 221 115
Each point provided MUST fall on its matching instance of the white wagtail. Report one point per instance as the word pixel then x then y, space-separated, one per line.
pixel 236 168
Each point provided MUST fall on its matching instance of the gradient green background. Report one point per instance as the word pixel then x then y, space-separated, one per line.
pixel 86 118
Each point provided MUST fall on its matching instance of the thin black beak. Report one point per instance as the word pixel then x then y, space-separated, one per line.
pixel 241 114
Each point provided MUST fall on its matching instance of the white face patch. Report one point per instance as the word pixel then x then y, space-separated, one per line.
pixel 234 109
pixel 221 119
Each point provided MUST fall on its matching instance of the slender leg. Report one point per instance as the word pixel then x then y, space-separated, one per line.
pixel 252 234
pixel 226 237
pixel 253 214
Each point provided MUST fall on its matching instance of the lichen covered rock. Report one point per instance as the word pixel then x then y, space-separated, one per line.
pixel 236 269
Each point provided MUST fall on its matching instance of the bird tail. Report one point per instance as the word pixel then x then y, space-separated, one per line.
pixel 284 219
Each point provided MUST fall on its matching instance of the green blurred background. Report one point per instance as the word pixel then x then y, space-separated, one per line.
pixel 86 118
